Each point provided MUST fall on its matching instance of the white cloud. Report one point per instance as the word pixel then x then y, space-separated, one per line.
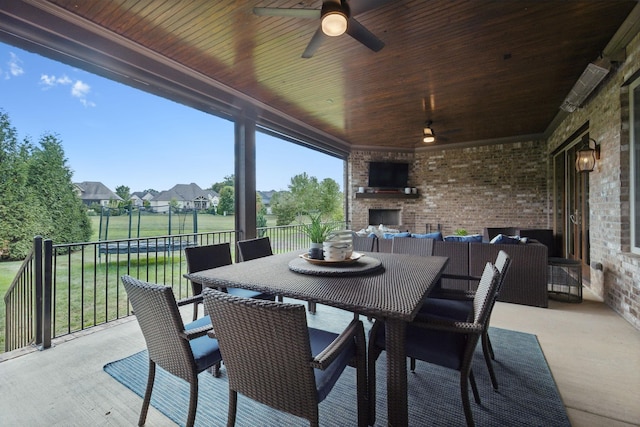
pixel 79 89
pixel 15 65
pixel 51 80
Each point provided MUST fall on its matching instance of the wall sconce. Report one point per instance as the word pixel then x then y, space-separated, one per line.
pixel 427 133
pixel 586 156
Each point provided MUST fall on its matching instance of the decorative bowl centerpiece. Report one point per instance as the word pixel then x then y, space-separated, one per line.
pixel 338 245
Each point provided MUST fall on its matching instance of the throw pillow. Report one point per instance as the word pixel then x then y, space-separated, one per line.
pixel 435 236
pixel 504 239
pixel 392 235
pixel 469 238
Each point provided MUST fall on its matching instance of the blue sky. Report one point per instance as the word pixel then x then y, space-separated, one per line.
pixel 122 136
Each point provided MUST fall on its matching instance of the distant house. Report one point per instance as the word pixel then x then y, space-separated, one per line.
pixel 95 192
pixel 266 199
pixel 186 196
pixel 138 198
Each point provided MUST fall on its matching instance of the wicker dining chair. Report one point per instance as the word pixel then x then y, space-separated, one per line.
pixel 254 248
pixel 182 350
pixel 213 256
pixel 458 305
pixel 444 342
pixel 364 243
pixel 273 357
pixel 412 246
pixel 259 248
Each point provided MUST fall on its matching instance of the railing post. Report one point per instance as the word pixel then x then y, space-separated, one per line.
pixel 47 303
pixel 37 258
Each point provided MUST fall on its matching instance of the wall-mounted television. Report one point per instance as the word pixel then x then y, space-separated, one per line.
pixel 388 174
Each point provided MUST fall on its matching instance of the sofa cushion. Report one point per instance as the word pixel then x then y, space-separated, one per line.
pixel 504 239
pixel 392 235
pixel 435 236
pixel 469 238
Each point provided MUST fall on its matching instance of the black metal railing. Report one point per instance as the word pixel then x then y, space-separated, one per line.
pixel 19 304
pixel 65 288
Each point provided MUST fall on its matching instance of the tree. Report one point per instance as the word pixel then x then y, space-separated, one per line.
pixel 306 193
pixel 20 209
pixel 50 175
pixel 124 192
pixel 284 207
pixel 37 196
pixel 331 202
pixel 227 201
pixel 310 196
pixel 227 181
pixel 261 212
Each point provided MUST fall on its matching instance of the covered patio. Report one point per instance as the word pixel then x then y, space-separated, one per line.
pixel 491 79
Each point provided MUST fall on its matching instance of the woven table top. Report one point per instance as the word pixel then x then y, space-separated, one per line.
pixel 396 291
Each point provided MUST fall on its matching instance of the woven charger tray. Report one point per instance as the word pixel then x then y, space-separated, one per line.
pixel 364 265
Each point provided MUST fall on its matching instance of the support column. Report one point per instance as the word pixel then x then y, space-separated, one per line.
pixel 245 175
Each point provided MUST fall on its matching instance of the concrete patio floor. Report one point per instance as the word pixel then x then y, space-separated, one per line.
pixel 593 353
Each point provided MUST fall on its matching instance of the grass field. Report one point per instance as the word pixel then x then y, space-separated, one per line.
pixel 149 225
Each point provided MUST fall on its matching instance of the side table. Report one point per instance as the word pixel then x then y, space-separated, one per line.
pixel 565 279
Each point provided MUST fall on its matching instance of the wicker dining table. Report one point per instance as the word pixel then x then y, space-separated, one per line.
pixel 380 285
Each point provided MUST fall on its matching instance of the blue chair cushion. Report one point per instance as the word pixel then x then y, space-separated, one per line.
pixel 450 309
pixel 435 236
pixel 246 293
pixel 437 347
pixel 325 379
pixel 206 351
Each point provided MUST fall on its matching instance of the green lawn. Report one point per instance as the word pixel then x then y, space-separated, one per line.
pixel 150 225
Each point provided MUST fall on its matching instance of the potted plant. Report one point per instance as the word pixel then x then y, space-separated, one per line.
pixel 317 233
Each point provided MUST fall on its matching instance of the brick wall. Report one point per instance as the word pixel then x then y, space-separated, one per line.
pixel 607 115
pixel 472 188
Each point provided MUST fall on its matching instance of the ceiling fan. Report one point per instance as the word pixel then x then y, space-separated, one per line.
pixel 336 18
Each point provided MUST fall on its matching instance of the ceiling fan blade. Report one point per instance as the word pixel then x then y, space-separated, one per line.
pixel 314 44
pixel 294 13
pixel 364 36
pixel 360 6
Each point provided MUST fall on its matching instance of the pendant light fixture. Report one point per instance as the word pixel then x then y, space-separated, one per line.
pixel 427 133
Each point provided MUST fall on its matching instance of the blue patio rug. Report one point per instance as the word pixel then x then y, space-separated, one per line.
pixel 527 397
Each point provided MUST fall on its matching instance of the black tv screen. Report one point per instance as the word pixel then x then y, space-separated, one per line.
pixel 388 175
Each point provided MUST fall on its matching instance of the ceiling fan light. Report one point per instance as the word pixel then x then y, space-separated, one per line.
pixel 427 135
pixel 334 23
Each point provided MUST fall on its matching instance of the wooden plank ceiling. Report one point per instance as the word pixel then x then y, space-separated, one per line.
pixel 480 70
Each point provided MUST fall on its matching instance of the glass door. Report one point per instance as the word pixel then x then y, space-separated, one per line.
pixel 571 206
